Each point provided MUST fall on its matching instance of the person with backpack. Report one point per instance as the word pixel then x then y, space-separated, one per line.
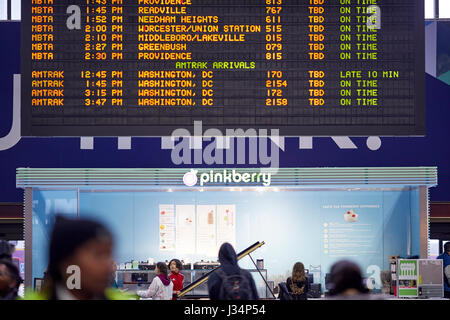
pixel 229 281
pixel 446 257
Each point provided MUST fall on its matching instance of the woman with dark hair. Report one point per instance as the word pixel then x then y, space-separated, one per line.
pixel 346 282
pixel 297 284
pixel 177 278
pixel 161 287
pixel 80 263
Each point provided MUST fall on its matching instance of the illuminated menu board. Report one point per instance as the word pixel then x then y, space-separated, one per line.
pixel 148 67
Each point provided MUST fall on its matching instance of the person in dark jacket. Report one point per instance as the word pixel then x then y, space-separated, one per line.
pixel 6 250
pixel 297 284
pixel 229 266
pixel 9 280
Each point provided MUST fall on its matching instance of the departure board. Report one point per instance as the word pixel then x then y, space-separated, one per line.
pixel 149 67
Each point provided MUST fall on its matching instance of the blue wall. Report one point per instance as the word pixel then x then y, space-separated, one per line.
pixel 45 205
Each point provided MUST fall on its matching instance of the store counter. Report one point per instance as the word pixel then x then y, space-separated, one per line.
pixel 134 280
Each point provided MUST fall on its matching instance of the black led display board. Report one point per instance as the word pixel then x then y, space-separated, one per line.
pixel 148 67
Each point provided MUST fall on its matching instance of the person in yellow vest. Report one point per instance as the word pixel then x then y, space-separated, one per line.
pixel 80 263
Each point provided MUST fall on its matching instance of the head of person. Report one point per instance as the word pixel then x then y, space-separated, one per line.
pixel 175 265
pixel 84 245
pixel 298 272
pixel 9 279
pixel 6 250
pixel 228 258
pixel 447 247
pixel 161 269
pixel 346 279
